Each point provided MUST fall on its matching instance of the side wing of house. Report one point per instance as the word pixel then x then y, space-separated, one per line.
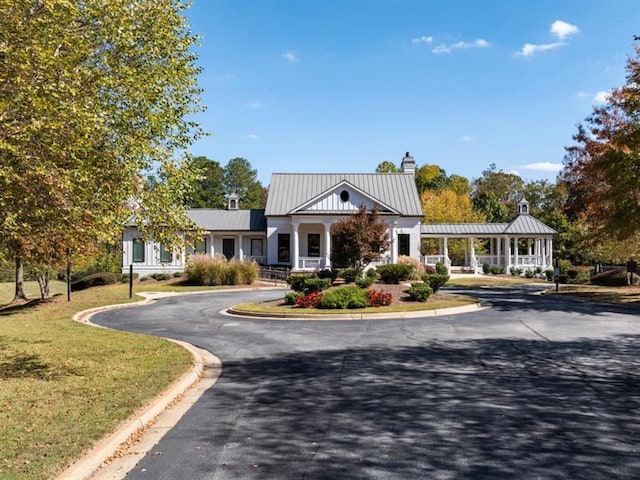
pixel 236 234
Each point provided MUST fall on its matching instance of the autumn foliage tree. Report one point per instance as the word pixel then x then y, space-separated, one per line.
pixel 359 239
pixel 94 96
pixel 602 169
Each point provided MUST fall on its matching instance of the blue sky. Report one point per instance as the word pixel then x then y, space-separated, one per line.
pixel 340 86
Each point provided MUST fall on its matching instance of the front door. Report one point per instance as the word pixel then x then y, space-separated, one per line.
pixel 229 247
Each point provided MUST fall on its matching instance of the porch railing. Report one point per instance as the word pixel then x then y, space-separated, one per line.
pixel 310 263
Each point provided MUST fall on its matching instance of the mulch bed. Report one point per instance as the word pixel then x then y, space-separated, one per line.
pixel 398 293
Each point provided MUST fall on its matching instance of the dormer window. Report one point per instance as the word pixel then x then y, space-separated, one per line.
pixel 523 207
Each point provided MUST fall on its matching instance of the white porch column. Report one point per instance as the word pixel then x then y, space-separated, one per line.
pixel 498 251
pixel 445 251
pixel 507 252
pixel 327 245
pixel 240 247
pixel 394 243
pixel 296 247
pixel 212 251
pixel 515 251
pixel 474 260
pixel 529 246
pixel 550 252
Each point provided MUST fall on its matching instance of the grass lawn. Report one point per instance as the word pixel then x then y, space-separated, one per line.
pixel 628 295
pixel 64 385
pixel 7 290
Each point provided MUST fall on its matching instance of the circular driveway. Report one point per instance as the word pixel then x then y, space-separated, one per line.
pixel 534 387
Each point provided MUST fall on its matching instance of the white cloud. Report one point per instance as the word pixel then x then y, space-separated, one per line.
pixel 422 39
pixel 582 94
pixel 251 136
pixel 601 96
pixel 530 49
pixel 543 166
pixel 444 48
pixel 563 29
pixel 560 29
pixel 256 104
pixel 290 57
pixel 466 138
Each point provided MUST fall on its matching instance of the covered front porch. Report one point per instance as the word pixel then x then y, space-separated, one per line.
pixel 504 251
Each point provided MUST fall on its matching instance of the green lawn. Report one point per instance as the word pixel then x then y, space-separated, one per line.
pixel 65 385
pixel 7 290
pixel 492 281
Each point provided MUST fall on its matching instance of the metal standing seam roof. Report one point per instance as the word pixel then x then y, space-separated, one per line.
pixel 288 191
pixel 521 225
pixel 229 220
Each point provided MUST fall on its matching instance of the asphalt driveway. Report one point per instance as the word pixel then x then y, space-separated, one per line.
pixel 535 387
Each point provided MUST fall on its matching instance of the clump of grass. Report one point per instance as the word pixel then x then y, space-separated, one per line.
pixel 217 270
pixel 67 385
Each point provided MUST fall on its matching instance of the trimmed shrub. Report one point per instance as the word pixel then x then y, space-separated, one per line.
pixel 125 277
pixel 538 270
pixel 548 273
pixel 528 273
pixel 328 273
pixel 176 274
pixel 364 282
pixel 296 282
pixel 310 300
pixel 497 270
pixel 94 280
pixel 515 271
pixel 395 273
pixel 378 298
pixel 420 292
pixel 371 273
pixel 343 298
pixel 441 269
pixel 486 268
pixel 291 297
pixel 160 276
pixel 435 281
pixel 350 274
pixel 564 266
pixel 315 284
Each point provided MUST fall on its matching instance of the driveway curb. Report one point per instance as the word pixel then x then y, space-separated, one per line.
pixel 474 307
pixel 109 457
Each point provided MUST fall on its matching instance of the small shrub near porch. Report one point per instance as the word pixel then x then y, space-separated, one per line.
pixel 217 270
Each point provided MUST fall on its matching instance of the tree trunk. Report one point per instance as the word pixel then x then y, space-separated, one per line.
pixel 43 281
pixel 20 295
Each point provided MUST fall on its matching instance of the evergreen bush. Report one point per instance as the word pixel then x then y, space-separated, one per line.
pixel 435 281
pixel 420 292
pixel 343 298
pixel 395 273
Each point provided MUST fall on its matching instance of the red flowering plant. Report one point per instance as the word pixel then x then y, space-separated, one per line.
pixel 310 300
pixel 378 298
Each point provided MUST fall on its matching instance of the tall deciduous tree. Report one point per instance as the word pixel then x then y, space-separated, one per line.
pixel 602 169
pixel 430 177
pixel 93 96
pixel 446 206
pixel 359 239
pixel 496 193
